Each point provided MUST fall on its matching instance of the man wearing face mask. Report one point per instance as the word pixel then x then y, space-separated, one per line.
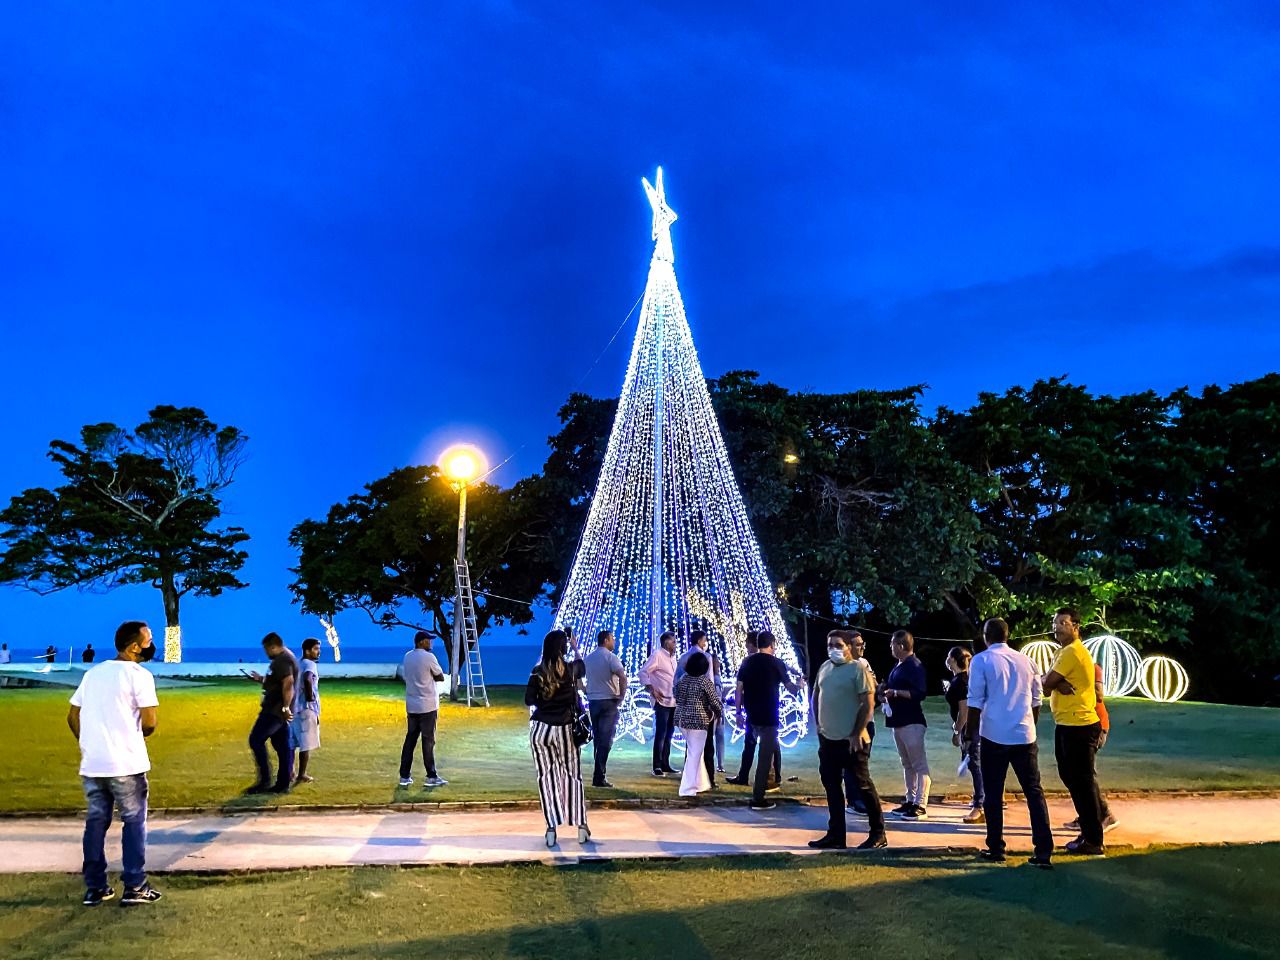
pixel 112 713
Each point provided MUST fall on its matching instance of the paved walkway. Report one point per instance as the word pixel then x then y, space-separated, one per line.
pixel 267 841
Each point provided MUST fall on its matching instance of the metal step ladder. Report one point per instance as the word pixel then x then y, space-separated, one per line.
pixel 476 692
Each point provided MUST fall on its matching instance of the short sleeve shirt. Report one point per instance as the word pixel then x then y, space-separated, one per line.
pixel 760 675
pixel 283 664
pixel 300 690
pixel 1079 709
pixel 841 690
pixel 420 693
pixel 111 697
pixel 957 693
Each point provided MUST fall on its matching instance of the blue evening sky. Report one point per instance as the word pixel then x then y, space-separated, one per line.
pixel 359 231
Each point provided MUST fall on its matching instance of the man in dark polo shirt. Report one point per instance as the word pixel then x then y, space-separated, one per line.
pixel 274 716
pixel 758 680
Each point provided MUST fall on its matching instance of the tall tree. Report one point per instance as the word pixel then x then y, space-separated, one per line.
pixel 139 506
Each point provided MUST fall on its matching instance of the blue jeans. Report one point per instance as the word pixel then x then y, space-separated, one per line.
pixel 664 728
pixel 604 724
pixel 104 794
pixel 974 749
pixel 271 726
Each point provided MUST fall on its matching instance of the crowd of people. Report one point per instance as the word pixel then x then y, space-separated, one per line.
pixel 994 698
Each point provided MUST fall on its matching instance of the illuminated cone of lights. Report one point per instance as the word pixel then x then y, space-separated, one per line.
pixel 1041 653
pixel 667 544
pixel 1121 664
pixel 1163 679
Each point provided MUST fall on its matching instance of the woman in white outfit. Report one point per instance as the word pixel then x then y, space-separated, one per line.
pixel 553 693
pixel 697 707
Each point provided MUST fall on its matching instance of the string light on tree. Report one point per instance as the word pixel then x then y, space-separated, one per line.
pixel 172 644
pixel 331 635
pixel 667 544
pixel 1163 678
pixel 1120 661
pixel 1041 653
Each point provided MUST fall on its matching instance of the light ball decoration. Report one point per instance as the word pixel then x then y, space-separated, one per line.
pixel 172 644
pixel 1041 653
pixel 1120 662
pixel 1163 679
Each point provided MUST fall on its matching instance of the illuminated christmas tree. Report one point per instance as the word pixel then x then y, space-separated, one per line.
pixel 667 543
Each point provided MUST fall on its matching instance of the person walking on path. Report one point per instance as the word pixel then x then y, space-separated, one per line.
pixel 274 716
pixel 658 676
pixel 1004 705
pixel 743 776
pixel 606 686
pixel 552 691
pixel 903 694
pixel 957 696
pixel 1109 821
pixel 113 711
pixel 758 682
pixel 843 702
pixel 304 730
pixel 697 708
pixel 421 672
pixel 1078 733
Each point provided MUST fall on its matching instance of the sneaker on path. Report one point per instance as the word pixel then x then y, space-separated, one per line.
pixel 1110 823
pixel 873 843
pixel 763 805
pixel 916 813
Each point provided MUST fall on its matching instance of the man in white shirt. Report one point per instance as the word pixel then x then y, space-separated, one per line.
pixel 606 685
pixel 112 713
pixel 659 676
pixel 1004 704
pixel 421 704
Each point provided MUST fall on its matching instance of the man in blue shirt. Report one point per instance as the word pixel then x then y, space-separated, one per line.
pixel 902 694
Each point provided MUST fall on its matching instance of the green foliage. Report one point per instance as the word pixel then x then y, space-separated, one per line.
pixel 137 507
pixel 396 542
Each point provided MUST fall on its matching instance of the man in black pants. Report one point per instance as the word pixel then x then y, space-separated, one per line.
pixel 743 777
pixel 274 717
pixel 1004 705
pixel 758 681
pixel 422 671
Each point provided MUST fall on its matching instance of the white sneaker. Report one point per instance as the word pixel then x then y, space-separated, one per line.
pixel 435 782
pixel 551 836
pixel 583 834
pixel 406 781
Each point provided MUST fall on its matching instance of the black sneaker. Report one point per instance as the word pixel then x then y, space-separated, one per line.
pixel 658 773
pixel 826 843
pixel 1083 848
pixel 736 781
pixel 873 843
pixel 258 788
pixel 915 813
pixel 902 810
pixel 94 897
pixel 1040 862
pixel 139 895
pixel 991 856
pixel 763 805
pixel 602 783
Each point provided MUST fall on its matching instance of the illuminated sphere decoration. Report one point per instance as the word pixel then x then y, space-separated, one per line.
pixel 463 462
pixel 1120 662
pixel 172 644
pixel 667 543
pixel 1041 653
pixel 1163 679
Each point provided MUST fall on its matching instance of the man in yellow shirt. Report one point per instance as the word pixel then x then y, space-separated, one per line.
pixel 1079 730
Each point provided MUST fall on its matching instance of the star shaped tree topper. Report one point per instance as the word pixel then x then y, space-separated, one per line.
pixel 663 217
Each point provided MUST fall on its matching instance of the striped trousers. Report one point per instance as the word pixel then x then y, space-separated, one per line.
pixel 559 764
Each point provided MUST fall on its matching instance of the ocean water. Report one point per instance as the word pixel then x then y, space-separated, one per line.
pixel 503 663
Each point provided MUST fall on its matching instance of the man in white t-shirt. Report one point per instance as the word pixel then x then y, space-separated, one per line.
pixel 421 706
pixel 112 713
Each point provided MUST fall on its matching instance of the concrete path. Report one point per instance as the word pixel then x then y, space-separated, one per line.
pixel 274 841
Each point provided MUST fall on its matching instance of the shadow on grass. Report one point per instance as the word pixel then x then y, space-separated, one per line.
pixel 1194 903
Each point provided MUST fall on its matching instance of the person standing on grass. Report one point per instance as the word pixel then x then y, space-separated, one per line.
pixel 113 711
pixel 743 777
pixel 421 672
pixel 1109 821
pixel 843 702
pixel 658 676
pixel 304 730
pixel 957 697
pixel 1004 705
pixel 552 691
pixel 1078 733
pixel 758 682
pixel 903 694
pixel 606 685
pixel 697 708
pixel 275 714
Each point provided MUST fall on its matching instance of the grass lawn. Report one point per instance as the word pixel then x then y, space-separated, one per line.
pixel 1189 902
pixel 200 757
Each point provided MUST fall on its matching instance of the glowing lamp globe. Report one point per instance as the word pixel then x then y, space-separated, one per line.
pixel 1120 662
pixel 1041 653
pixel 1163 679
pixel 463 462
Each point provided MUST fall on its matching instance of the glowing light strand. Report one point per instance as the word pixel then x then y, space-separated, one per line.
pixel 1163 679
pixel 1120 661
pixel 172 644
pixel 331 635
pixel 667 543
pixel 1041 653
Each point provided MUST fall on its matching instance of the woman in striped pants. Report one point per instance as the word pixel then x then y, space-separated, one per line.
pixel 553 694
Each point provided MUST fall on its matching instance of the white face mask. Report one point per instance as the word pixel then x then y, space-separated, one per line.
pixel 837 655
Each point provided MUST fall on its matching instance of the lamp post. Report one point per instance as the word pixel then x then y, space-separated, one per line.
pixel 462 464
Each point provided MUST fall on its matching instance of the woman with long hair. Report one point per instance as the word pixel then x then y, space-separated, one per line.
pixel 553 694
